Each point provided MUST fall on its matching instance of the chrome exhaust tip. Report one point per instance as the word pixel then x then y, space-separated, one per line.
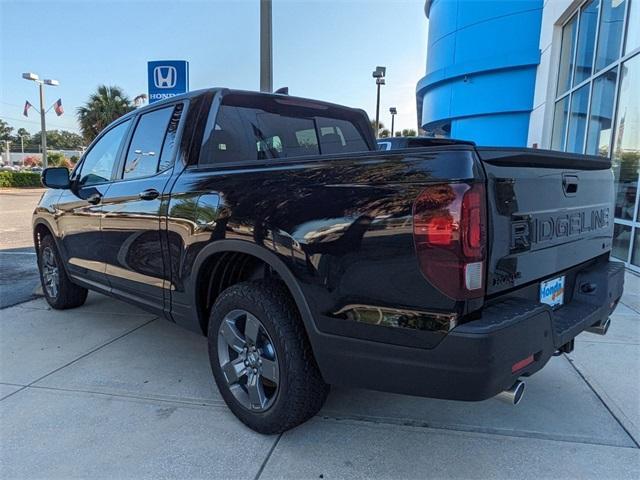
pixel 513 395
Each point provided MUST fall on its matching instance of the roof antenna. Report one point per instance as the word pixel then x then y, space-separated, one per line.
pixel 283 91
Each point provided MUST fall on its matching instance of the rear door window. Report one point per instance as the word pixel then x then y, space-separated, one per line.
pixel 151 147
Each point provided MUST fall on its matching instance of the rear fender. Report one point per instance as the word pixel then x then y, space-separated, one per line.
pixel 270 259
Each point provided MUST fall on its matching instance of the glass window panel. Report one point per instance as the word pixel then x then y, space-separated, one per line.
pixel 586 41
pixel 245 134
pixel 340 136
pixel 167 157
pixel 621 240
pixel 626 144
pixel 566 55
pixel 578 120
pixel 601 116
pixel 611 26
pixel 633 27
pixel 98 164
pixel 145 148
pixel 635 256
pixel 559 123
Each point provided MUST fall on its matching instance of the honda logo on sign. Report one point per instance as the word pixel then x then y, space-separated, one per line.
pixel 165 77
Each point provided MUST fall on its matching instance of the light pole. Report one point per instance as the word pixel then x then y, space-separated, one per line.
pixel 7 149
pixel 393 111
pixel 43 127
pixel 266 47
pixel 378 74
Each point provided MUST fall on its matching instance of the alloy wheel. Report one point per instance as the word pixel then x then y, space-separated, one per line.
pixel 248 360
pixel 50 272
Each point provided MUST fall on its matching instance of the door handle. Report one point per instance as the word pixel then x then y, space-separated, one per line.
pixel 94 198
pixel 144 154
pixel 149 194
pixel 570 184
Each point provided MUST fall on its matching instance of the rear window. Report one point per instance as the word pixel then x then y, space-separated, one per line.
pixel 251 127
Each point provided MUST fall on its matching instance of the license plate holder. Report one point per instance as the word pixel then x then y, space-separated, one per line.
pixel 552 291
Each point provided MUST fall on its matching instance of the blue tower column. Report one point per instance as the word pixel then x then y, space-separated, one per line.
pixel 482 58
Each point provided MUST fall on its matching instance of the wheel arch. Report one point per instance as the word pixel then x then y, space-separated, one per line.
pixel 214 250
pixel 42 227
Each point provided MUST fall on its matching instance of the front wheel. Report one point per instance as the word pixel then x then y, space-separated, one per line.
pixel 58 289
pixel 261 358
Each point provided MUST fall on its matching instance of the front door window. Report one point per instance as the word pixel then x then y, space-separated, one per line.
pixel 98 163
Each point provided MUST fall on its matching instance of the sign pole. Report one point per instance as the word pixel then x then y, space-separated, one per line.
pixel 266 47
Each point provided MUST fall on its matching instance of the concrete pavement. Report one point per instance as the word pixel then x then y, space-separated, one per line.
pixel 109 391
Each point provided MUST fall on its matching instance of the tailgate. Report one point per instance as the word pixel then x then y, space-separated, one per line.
pixel 547 211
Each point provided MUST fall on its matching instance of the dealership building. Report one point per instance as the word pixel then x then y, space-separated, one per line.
pixel 555 74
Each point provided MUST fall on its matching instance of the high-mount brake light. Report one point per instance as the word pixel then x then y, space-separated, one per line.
pixel 450 234
pixel 295 102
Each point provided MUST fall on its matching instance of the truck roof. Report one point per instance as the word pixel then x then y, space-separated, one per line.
pixel 228 91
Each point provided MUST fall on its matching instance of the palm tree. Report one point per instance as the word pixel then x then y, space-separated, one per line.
pixel 139 100
pixel 102 108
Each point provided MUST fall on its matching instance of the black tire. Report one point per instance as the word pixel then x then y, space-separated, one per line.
pixel 67 294
pixel 300 391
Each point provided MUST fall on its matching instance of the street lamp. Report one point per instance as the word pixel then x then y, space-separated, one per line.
pixel 43 133
pixel 378 74
pixel 393 111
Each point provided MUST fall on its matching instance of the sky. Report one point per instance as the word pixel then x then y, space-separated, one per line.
pixel 322 49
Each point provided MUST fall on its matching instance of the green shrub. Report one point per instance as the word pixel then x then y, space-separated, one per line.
pixel 20 179
pixel 55 159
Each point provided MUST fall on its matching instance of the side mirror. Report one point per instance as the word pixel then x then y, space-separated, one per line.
pixel 56 177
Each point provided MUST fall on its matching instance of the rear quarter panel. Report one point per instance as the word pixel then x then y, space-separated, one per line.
pixel 342 226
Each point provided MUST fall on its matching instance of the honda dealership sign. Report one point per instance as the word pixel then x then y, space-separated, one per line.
pixel 167 78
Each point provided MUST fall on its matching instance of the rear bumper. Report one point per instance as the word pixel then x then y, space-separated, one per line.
pixel 474 361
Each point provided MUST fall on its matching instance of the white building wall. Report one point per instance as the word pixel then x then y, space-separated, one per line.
pixel 554 14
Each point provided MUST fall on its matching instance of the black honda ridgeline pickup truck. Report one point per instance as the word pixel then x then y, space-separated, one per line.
pixel 273 226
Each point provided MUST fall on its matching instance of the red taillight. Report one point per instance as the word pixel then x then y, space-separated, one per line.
pixel 439 230
pixel 472 208
pixel 449 229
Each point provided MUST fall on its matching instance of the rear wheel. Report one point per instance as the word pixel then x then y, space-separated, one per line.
pixel 261 358
pixel 58 289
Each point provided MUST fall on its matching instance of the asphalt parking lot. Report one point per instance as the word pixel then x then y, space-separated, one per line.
pixel 18 271
pixel 109 391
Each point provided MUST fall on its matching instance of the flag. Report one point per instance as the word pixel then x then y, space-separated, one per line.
pixel 58 107
pixel 27 106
